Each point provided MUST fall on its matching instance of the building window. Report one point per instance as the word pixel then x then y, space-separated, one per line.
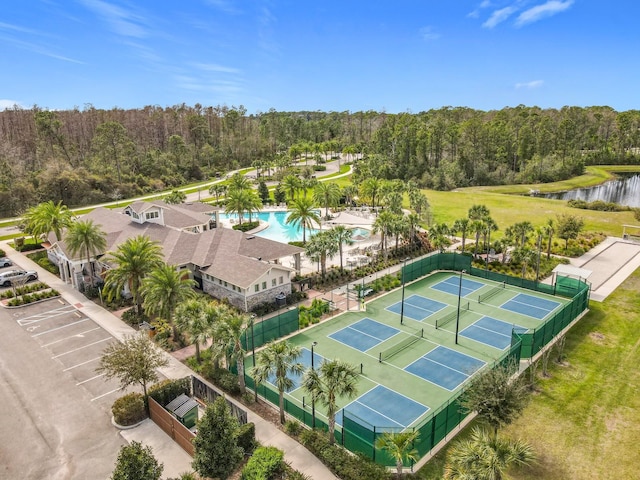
pixel 256 288
pixel 219 281
pixel 273 282
pixel 150 215
pixel 226 284
pixel 281 279
pixel 264 285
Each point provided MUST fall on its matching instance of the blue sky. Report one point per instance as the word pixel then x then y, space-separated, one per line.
pixel 400 55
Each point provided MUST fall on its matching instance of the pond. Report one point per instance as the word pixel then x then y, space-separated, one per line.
pixel 624 191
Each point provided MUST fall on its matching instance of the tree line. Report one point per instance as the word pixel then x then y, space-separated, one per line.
pixel 89 155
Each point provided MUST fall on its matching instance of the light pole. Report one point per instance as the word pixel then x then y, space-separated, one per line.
pixel 402 302
pixel 253 353
pixel 459 295
pixel 313 396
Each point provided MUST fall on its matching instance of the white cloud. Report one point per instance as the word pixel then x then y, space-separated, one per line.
pixel 5 103
pixel 121 21
pixel 539 12
pixel 427 33
pixel 35 48
pixel 214 67
pixel 530 85
pixel 499 16
pixel 224 6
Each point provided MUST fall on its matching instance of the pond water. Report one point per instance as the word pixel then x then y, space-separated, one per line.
pixel 624 191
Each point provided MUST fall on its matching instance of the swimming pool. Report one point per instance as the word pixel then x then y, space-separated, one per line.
pixel 278 229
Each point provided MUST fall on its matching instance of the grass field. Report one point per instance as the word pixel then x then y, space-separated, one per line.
pixel 583 423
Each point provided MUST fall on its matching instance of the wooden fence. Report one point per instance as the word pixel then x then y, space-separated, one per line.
pixel 171 426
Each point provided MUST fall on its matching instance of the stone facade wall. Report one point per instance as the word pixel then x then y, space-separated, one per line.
pixel 237 299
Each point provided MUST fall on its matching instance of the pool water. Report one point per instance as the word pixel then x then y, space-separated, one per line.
pixel 279 231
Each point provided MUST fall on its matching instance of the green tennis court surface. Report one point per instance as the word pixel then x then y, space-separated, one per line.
pixel 410 372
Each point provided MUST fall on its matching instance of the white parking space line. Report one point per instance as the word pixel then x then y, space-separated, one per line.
pixel 84 346
pixel 105 394
pixel 58 328
pixel 81 364
pixel 46 315
pixel 77 335
pixel 89 379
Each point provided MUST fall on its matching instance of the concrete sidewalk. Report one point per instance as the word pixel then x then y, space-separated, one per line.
pixel 175 460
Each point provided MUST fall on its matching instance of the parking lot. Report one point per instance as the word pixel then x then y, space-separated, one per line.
pixel 73 341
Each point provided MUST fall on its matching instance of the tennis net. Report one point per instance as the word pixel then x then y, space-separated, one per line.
pixel 441 322
pixel 491 293
pixel 401 345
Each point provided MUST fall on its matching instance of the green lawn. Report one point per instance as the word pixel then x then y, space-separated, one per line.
pixel 583 422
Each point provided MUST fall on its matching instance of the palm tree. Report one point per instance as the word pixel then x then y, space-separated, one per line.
pixel 462 225
pixel 327 194
pixel 349 192
pixel 370 189
pixel 48 217
pixel 489 226
pixel 190 318
pixel 399 446
pixel 163 289
pixel 291 185
pixel 524 256
pixel 393 200
pixel 134 259
pixel 86 237
pixel 241 201
pixel 485 457
pixel 342 236
pixel 477 227
pixel 383 224
pixel 549 230
pixel 231 330
pixel 217 190
pixel 215 314
pixel 333 379
pixel 521 231
pixel 278 360
pixel 239 182
pixel 438 236
pixel 303 214
pixel 411 226
pixel 321 246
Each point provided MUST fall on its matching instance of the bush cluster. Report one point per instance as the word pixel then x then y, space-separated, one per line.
pixel 246 226
pixel 313 313
pixel 247 437
pixel 130 317
pixel 129 409
pixel 222 378
pixel 340 462
pixel 598 205
pixel 165 391
pixel 319 168
pixel 266 463
pixel 268 307
pixel 29 288
pixel 32 297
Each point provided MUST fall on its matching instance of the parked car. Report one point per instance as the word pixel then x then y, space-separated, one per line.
pixel 17 275
pixel 5 262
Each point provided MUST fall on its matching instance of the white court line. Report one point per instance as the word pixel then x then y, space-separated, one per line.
pixel 379 413
pixel 58 328
pixel 89 379
pixel 80 364
pixel 71 336
pixel 104 394
pixel 84 346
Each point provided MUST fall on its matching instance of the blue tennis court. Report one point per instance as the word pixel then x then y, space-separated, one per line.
pixel 364 334
pixel 417 307
pixel 531 306
pixel 384 408
pixel 492 332
pixel 452 285
pixel 296 378
pixel 445 367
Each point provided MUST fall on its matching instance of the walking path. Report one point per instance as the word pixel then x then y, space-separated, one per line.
pixel 175 460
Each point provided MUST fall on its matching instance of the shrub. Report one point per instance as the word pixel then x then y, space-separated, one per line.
pixel 341 462
pixel 319 168
pixel 246 226
pixel 247 437
pixel 293 428
pixel 129 409
pixel 228 381
pixel 130 317
pixel 3 253
pixel 265 463
pixel 165 391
